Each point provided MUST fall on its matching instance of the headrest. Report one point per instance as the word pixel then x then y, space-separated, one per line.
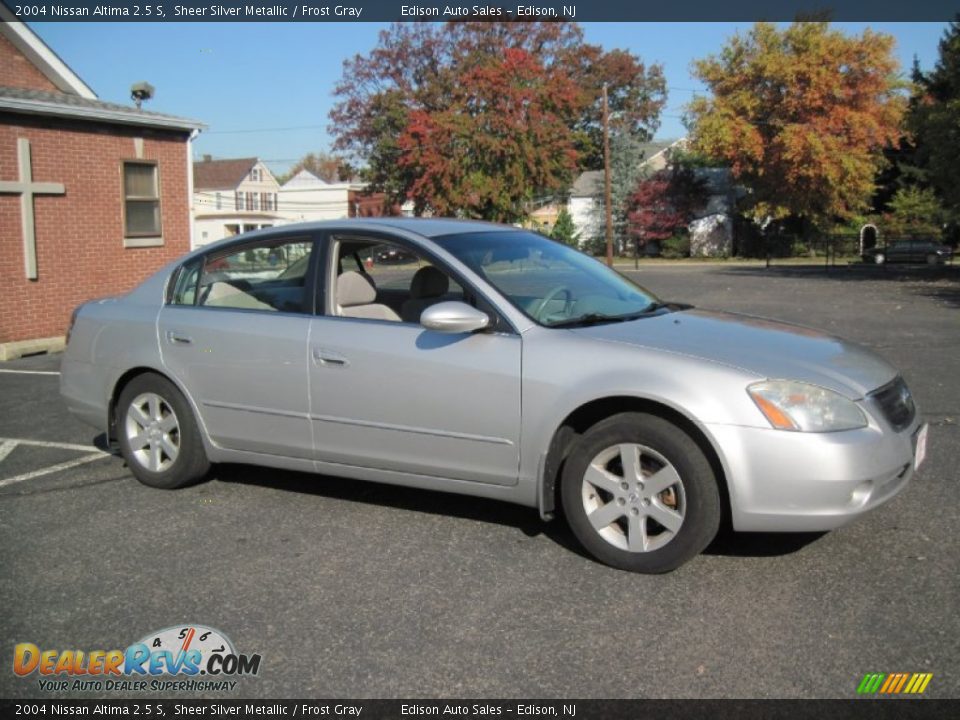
pixel 354 289
pixel 428 282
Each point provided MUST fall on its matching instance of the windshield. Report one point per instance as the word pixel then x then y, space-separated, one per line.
pixel 553 284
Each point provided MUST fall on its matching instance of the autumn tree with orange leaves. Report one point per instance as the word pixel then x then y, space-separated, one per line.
pixel 802 117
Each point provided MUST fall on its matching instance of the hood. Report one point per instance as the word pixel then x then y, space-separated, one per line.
pixel 764 347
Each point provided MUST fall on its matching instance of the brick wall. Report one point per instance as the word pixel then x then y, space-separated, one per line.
pixel 80 252
pixel 17 71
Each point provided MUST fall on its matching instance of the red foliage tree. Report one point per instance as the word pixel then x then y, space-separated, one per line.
pixel 503 135
pixel 664 204
pixel 412 84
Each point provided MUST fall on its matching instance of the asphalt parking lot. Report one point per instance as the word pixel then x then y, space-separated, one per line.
pixel 362 590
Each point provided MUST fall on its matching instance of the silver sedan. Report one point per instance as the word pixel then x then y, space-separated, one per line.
pixel 492 362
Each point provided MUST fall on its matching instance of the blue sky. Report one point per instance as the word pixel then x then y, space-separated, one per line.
pixel 273 82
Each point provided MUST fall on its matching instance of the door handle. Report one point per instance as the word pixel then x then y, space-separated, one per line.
pixel 177 339
pixel 328 358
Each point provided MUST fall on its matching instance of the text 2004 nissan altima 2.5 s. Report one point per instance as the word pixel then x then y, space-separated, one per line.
pixel 496 363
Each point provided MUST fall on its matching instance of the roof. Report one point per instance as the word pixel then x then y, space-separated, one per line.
pixel 588 184
pixel 221 174
pixel 41 56
pixel 651 149
pixel 41 102
pixel 428 227
pixel 425 227
pixel 303 179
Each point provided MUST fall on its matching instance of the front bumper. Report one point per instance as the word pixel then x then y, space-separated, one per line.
pixel 799 482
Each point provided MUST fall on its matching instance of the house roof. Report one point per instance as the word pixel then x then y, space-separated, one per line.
pixel 221 174
pixel 41 102
pixel 590 182
pixel 41 56
pixel 303 179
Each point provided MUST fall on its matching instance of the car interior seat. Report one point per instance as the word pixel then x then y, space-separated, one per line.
pixel 426 288
pixel 355 298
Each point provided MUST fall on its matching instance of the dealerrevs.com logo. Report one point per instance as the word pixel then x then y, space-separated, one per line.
pixel 180 658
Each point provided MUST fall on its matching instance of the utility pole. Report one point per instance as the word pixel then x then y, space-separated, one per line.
pixel 608 210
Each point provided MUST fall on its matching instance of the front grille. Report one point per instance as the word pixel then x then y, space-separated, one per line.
pixel 895 403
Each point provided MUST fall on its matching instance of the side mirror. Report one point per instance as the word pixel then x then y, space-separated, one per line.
pixel 454 317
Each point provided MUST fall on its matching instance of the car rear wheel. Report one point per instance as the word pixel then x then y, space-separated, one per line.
pixel 639 494
pixel 158 435
pixel 879 258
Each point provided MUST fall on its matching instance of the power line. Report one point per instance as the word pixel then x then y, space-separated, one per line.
pixel 260 130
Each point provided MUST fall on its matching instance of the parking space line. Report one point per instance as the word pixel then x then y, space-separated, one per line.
pixel 29 372
pixel 52 469
pixel 49 444
pixel 6 447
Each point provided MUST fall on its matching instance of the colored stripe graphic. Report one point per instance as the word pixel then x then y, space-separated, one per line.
pixel 894 683
pixel 870 683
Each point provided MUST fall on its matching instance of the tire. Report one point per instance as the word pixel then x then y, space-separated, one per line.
pixel 689 506
pixel 932 259
pixel 879 258
pixel 158 434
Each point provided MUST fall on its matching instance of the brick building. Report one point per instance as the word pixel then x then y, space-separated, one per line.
pixel 94 196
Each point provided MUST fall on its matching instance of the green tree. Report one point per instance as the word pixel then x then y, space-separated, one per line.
pixel 934 120
pixel 801 116
pixel 914 211
pixel 564 230
pixel 626 170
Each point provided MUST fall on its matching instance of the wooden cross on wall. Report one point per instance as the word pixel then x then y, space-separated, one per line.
pixel 26 189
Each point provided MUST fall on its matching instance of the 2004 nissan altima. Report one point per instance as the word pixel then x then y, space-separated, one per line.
pixel 519 369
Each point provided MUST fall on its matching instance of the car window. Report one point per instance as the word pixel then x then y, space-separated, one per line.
pixel 551 283
pixel 399 283
pixel 185 290
pixel 269 276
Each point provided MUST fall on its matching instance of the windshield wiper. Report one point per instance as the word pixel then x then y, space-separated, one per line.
pixel 590 319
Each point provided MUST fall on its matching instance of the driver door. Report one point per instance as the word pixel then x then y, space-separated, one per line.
pixel 392 395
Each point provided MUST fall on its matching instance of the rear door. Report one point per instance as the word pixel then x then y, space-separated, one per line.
pixel 234 333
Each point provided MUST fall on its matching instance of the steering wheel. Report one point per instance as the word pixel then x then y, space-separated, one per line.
pixel 558 290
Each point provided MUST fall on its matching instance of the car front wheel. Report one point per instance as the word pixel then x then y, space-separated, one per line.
pixel 879 258
pixel 932 259
pixel 639 494
pixel 158 435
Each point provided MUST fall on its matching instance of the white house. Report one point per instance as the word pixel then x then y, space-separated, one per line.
pixel 231 197
pixel 306 197
pixel 585 199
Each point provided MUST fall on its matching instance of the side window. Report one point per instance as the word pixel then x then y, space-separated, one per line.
pixel 269 276
pixel 388 281
pixel 185 290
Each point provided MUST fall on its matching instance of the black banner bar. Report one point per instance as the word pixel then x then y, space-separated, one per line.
pixel 856 709
pixel 431 10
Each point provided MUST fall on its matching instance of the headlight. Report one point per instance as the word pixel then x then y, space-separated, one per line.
pixel 806 408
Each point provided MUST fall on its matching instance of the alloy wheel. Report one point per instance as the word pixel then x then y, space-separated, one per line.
pixel 633 497
pixel 153 432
